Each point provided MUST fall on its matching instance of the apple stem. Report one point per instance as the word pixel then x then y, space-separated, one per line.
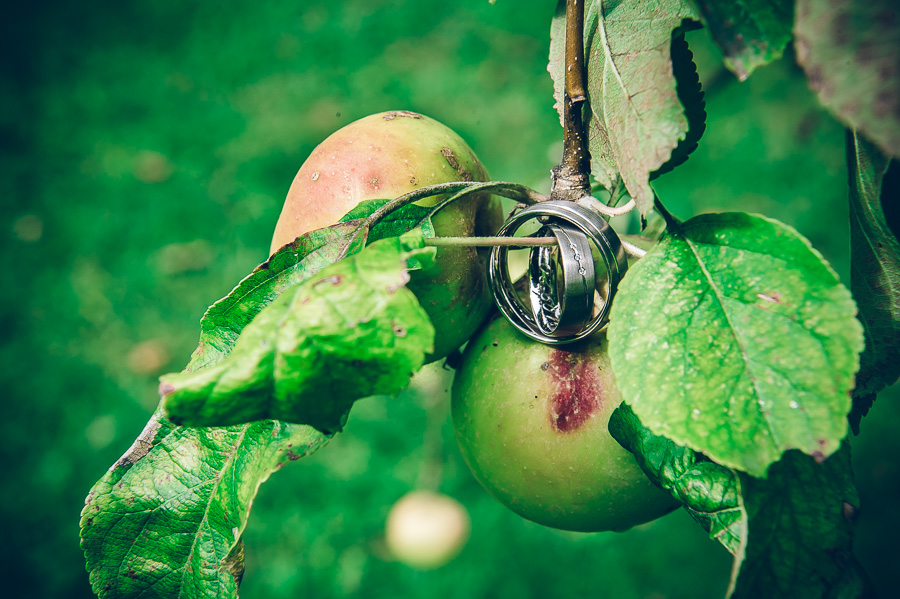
pixel 431 471
pixel 570 179
pixel 520 242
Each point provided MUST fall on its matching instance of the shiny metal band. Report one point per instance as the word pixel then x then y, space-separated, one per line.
pixel 560 311
pixel 567 312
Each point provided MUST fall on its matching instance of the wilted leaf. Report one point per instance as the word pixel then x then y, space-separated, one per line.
pixel 851 54
pixel 751 33
pixel 350 331
pixel 874 268
pixel 636 119
pixel 708 491
pixel 733 337
pixel 800 541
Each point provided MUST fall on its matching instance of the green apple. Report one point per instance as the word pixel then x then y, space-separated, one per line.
pixel 531 421
pixel 384 156
pixel 425 530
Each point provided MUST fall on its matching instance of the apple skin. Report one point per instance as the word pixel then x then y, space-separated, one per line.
pixel 426 530
pixel 531 422
pixel 384 156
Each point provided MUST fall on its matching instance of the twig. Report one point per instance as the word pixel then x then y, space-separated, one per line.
pixel 631 250
pixel 514 191
pixel 490 241
pixel 570 179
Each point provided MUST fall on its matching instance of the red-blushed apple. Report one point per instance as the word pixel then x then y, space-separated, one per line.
pixel 531 422
pixel 425 530
pixel 384 156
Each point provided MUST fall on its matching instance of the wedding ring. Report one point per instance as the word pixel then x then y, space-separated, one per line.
pixel 556 313
pixel 568 311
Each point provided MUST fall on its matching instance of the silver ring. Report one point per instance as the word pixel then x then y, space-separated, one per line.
pixel 556 313
pixel 568 218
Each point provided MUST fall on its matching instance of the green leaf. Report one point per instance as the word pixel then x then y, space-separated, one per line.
pixel 800 537
pixel 636 119
pixel 874 268
pixel 167 519
pixel 708 491
pixel 394 224
pixel 224 320
pixel 790 533
pixel 733 337
pixel 350 331
pixel 850 51
pixel 750 33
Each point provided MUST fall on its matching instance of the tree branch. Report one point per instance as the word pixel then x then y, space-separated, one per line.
pixel 570 179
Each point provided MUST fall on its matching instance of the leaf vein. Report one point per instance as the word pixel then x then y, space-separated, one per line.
pixel 719 296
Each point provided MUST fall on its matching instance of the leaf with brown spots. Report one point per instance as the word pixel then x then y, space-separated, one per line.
pixel 733 337
pixel 293 263
pixel 750 33
pixel 636 118
pixel 167 518
pixel 850 51
pixel 168 522
pixel 350 331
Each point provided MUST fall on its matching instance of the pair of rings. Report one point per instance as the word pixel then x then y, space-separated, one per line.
pixel 566 301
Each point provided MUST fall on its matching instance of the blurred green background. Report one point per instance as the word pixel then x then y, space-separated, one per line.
pixel 145 150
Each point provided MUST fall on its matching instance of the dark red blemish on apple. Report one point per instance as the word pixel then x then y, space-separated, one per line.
pixel 577 391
